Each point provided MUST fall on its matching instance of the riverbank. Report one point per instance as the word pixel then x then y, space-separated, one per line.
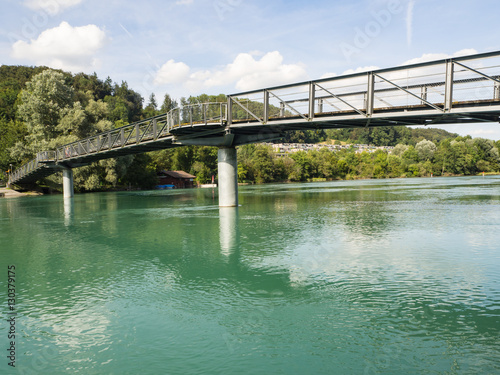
pixel 9 193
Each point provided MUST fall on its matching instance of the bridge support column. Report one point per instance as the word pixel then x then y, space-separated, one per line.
pixel 68 190
pixel 228 177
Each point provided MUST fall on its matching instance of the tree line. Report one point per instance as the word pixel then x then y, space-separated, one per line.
pixel 458 156
pixel 41 109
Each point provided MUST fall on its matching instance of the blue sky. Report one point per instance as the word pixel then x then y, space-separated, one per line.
pixel 188 47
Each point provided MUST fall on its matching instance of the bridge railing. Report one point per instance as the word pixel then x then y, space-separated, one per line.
pixel 151 129
pixel 199 114
pixel 438 86
pixel 31 166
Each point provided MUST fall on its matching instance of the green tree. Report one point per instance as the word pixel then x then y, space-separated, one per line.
pixel 410 156
pixel 389 135
pixel 202 172
pixel 245 154
pixel 342 168
pixel 381 164
pixel 141 173
pixel 410 161
pixel 462 158
pixel 151 109
pixel 52 118
pixel 425 150
pixel 182 158
pixel 399 149
pixel 124 104
pixel 206 155
pixel 351 159
pixel 44 101
pixel 168 104
pixel 304 136
pixel 263 163
pixel 84 84
pixel 304 165
pixel 162 160
pixel 327 163
pixel 242 172
pixel 12 80
pixel 394 166
pixel 443 157
pixel 10 132
pixel 487 152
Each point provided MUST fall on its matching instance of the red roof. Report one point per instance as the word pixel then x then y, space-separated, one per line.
pixel 177 174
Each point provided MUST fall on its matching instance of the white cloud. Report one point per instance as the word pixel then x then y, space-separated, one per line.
pixel 268 71
pixel 63 47
pixel 439 56
pixel 486 133
pixel 246 72
pixel 482 130
pixel 465 52
pixel 184 2
pixel 328 75
pixel 172 72
pixel 52 7
pixel 361 69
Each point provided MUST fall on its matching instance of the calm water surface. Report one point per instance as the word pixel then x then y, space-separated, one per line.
pixel 364 277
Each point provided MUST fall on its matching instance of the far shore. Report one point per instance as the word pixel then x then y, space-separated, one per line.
pixel 9 193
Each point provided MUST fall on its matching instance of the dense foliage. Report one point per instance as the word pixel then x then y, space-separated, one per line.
pixel 41 108
pixel 389 135
pixel 459 156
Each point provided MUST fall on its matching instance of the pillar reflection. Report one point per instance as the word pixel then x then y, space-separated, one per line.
pixel 228 229
pixel 69 211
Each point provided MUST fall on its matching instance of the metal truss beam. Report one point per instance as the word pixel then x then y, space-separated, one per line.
pixel 246 110
pixel 342 100
pixel 288 105
pixel 410 93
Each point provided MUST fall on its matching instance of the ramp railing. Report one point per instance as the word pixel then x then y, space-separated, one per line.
pixel 151 129
pixel 40 161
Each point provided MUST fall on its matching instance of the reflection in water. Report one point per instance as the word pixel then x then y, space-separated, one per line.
pixel 398 276
pixel 69 210
pixel 228 229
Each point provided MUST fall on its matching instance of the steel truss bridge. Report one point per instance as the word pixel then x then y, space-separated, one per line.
pixel 450 91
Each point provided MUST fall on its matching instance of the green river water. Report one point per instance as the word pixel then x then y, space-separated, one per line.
pixel 345 277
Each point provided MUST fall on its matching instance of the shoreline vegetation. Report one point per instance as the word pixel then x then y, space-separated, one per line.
pixel 9 193
pixel 41 109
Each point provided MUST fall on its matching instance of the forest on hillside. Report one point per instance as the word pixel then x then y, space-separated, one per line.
pixel 41 109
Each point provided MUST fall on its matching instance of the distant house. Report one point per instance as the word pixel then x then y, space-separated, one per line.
pixel 175 179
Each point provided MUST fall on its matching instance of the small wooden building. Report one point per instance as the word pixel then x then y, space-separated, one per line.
pixel 179 179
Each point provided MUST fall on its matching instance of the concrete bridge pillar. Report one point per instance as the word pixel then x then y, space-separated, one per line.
pixel 228 177
pixel 68 190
